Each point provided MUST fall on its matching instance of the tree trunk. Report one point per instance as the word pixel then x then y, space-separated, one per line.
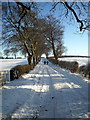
pixel 54 52
pixel 34 61
pixel 27 49
pixel 29 59
pixel 15 56
pixel 29 55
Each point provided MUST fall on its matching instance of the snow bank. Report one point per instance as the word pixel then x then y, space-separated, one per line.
pixel 81 61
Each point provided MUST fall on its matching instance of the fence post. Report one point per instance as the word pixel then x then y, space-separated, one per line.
pixel 9 76
pixel 4 77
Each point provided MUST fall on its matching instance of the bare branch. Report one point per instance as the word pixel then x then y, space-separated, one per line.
pixel 54 5
pixel 73 11
pixel 21 4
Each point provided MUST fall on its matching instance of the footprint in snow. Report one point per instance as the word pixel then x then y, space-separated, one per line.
pixel 52 97
pixel 46 110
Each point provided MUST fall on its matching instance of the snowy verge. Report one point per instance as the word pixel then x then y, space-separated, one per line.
pixel 46 92
pixel 7 64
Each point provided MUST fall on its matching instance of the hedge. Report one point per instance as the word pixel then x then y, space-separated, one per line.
pixel 72 66
pixel 85 70
pixel 81 69
pixel 19 70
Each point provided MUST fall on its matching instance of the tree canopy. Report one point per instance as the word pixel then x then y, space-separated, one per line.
pixel 25 31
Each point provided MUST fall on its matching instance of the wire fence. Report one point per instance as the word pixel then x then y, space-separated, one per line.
pixel 4 77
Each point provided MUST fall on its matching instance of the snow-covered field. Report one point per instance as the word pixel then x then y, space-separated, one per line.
pixel 46 92
pixel 81 61
pixel 7 64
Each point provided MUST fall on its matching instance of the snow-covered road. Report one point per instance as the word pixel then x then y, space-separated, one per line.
pixel 46 92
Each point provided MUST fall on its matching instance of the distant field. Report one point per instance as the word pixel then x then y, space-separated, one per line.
pixel 7 64
pixel 81 61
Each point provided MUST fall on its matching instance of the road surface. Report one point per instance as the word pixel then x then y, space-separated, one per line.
pixel 46 92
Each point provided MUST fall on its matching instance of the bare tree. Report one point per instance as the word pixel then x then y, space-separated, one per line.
pixel 77 11
pixel 14 51
pixel 15 20
pixel 23 30
pixel 60 49
pixel 72 10
pixel 6 52
pixel 23 51
pixel 53 34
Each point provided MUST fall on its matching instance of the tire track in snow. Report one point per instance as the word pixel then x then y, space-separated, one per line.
pixel 49 102
pixel 66 74
pixel 50 70
pixel 35 110
pixel 37 71
pixel 52 93
pixel 70 78
pixel 44 98
pixel 76 95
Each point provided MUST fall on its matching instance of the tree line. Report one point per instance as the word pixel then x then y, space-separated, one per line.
pixel 25 31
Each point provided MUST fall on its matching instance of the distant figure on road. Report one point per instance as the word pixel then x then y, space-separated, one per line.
pixel 47 62
pixel 44 62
